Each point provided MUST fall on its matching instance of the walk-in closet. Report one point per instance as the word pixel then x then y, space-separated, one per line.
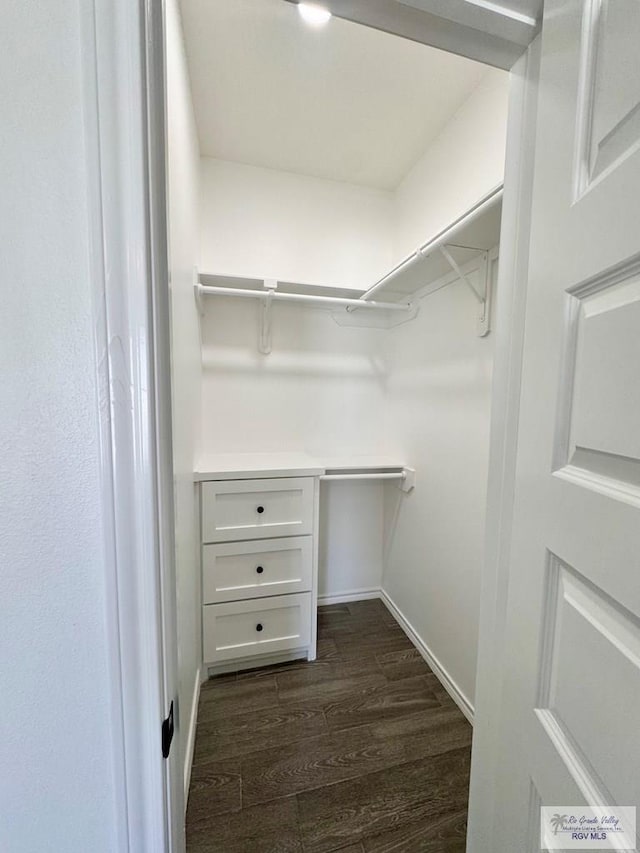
pixel 320 426
pixel 335 197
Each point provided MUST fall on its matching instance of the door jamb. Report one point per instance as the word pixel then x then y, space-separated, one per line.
pixel 122 80
pixel 505 410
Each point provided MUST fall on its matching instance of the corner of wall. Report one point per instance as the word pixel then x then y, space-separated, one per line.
pixel 186 360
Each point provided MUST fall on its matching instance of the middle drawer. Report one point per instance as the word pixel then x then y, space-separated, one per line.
pixel 239 570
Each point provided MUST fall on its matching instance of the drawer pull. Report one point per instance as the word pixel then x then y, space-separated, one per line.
pixel 259 627
pixel 260 510
pixel 259 570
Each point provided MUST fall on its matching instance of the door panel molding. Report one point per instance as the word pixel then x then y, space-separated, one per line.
pixel 606 137
pixel 579 617
pixel 601 347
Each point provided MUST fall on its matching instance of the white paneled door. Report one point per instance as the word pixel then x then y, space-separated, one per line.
pixel 571 730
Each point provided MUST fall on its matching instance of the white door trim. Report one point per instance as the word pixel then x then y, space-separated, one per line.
pixel 505 406
pixel 116 98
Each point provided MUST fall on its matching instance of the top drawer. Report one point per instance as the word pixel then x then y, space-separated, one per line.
pixel 256 509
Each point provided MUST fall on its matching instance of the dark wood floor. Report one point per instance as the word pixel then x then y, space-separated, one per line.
pixel 361 751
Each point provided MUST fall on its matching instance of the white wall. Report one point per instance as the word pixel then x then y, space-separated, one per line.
pixel 57 783
pixel 439 398
pixel 321 391
pixel 461 165
pixel 351 538
pixel 267 224
pixel 183 199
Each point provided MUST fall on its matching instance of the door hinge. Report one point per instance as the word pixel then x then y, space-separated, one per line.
pixel 167 732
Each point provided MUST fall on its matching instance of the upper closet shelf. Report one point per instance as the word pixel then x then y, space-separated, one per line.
pixel 475 232
pixel 462 249
pixel 458 253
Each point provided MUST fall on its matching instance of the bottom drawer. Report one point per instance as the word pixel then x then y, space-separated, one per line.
pixel 247 628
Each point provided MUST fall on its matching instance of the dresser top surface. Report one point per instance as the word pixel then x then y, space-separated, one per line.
pixel 247 466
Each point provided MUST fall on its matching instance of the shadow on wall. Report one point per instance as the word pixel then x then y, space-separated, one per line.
pixel 306 341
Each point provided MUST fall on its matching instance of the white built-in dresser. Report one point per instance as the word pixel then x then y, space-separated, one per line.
pixel 259 556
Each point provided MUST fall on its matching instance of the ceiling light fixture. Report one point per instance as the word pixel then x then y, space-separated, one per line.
pixel 316 16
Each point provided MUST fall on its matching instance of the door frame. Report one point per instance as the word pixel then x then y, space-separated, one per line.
pixel 124 93
pixel 505 411
pixel 123 104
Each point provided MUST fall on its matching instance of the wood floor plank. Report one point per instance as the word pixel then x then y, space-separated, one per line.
pixel 334 615
pixel 327 650
pixel 405 663
pixel 355 647
pixel 328 759
pixel 443 835
pixel 215 789
pixel 333 608
pixel 275 668
pixel 219 701
pixel 382 701
pixel 256 730
pixel 371 608
pixel 356 628
pixel 443 697
pixel 328 682
pixel 328 670
pixel 317 762
pixel 426 733
pixel 410 794
pixel 216 680
pixel 387 616
pixel 361 751
pixel 271 828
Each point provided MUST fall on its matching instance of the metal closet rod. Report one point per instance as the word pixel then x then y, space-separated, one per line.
pixel 439 240
pixel 300 297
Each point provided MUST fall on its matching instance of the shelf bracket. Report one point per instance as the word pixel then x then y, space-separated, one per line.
pixel 198 294
pixel 483 326
pixel 483 296
pixel 408 481
pixel 264 340
pixel 461 275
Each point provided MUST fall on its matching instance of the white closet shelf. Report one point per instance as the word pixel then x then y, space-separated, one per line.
pixel 475 232
pixel 470 236
pixel 249 466
pixel 238 282
pixel 265 289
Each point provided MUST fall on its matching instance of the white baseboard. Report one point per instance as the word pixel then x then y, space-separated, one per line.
pixel 191 738
pixel 350 595
pixel 439 670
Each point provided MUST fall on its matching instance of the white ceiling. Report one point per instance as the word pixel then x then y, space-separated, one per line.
pixel 344 102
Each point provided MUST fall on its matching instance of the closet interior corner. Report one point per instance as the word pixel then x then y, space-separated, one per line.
pixel 335 198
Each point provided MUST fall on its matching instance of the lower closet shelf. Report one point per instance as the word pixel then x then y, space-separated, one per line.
pixel 242 629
